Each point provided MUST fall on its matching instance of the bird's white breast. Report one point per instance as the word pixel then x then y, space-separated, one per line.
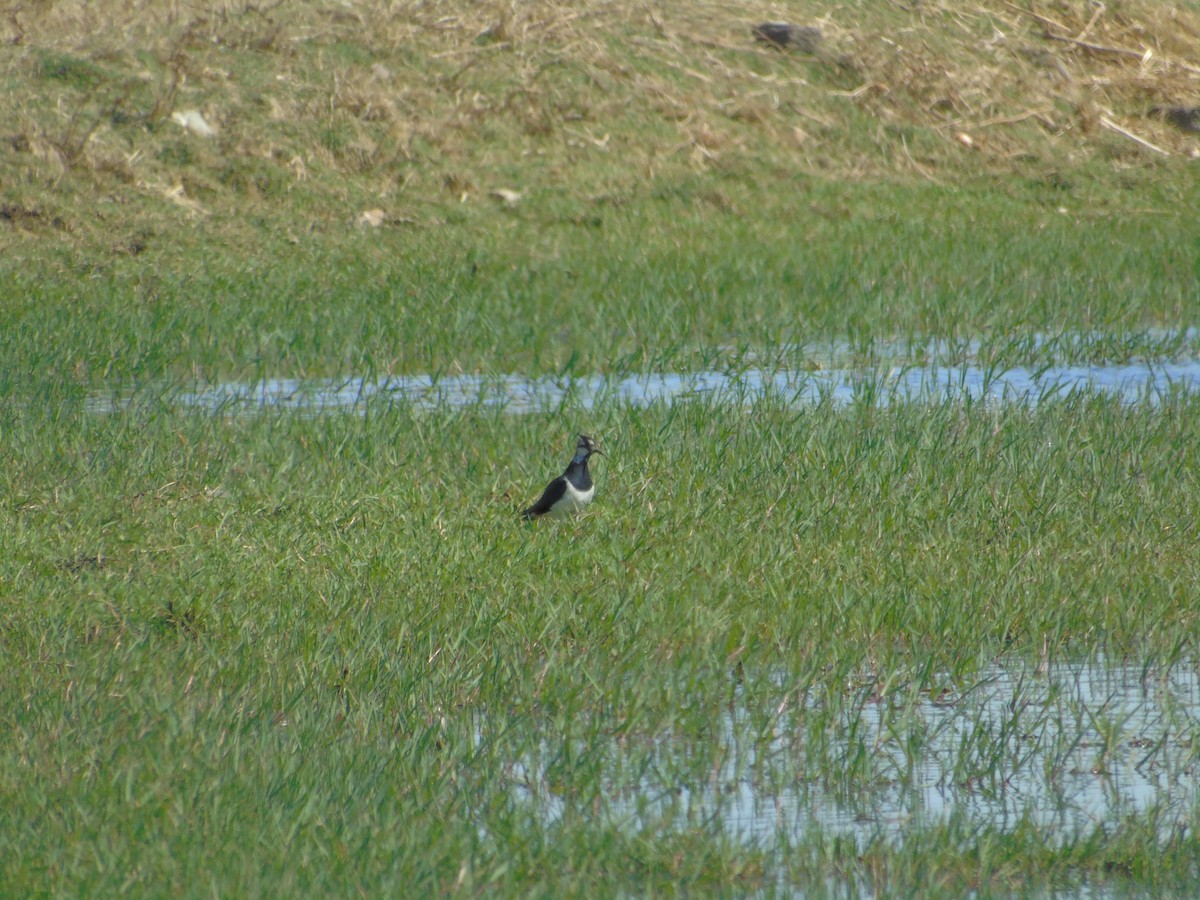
pixel 572 501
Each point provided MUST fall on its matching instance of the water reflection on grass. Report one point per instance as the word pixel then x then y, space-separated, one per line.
pixel 1133 382
pixel 1066 749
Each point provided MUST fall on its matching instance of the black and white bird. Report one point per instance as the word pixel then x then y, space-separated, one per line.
pixel 571 491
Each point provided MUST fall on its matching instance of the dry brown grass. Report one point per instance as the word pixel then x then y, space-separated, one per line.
pixel 323 110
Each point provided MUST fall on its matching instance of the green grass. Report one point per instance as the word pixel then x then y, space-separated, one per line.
pixel 531 293
pixel 324 643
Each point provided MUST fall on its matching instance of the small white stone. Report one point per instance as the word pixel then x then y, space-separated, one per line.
pixel 194 121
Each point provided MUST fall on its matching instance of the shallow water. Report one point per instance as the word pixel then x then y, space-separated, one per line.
pixel 1145 382
pixel 1069 749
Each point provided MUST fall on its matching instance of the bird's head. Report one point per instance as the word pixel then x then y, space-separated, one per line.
pixel 585 448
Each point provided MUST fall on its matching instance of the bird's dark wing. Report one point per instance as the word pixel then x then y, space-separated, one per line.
pixel 552 494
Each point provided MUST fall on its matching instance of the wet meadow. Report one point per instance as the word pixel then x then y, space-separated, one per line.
pixel 891 583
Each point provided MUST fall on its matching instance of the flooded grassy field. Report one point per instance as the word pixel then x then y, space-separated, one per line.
pixel 832 642
pixel 889 583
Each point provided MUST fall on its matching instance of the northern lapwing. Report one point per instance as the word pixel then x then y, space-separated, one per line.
pixel 572 490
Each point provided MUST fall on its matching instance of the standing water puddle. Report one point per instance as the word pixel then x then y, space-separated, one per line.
pixel 1135 382
pixel 1075 748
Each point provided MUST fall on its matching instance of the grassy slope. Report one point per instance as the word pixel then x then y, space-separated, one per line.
pixel 663 160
